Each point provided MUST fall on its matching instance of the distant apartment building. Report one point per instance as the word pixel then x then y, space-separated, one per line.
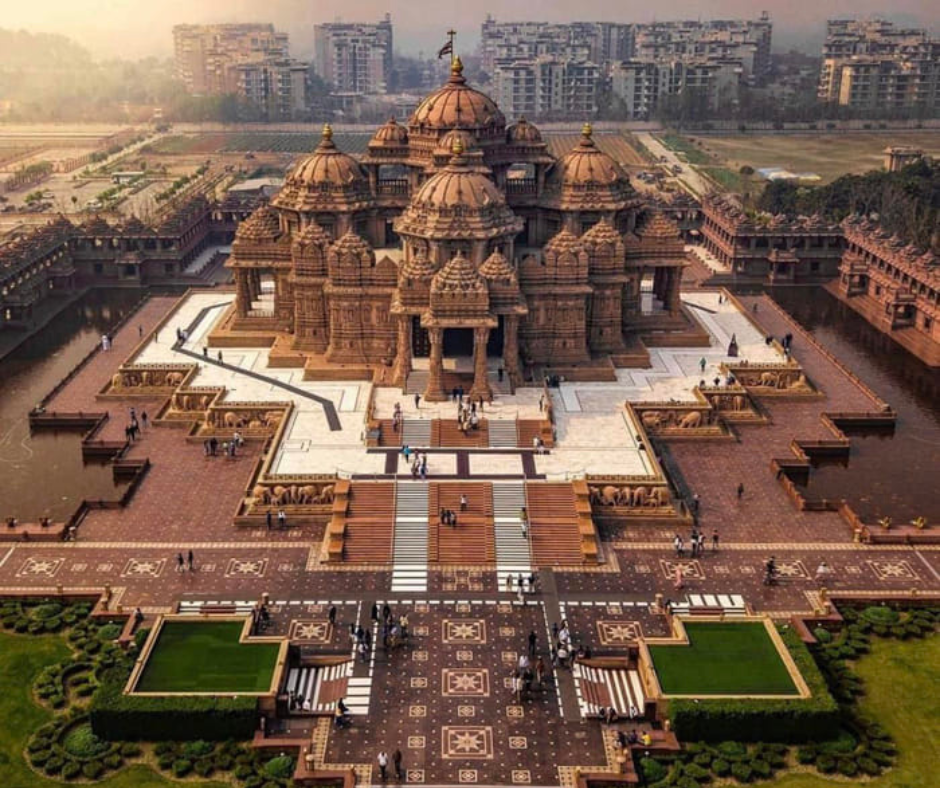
pixel 598 42
pixel 744 41
pixel 536 65
pixel 873 65
pixel 546 87
pixel 248 60
pixel 642 84
pixel 354 58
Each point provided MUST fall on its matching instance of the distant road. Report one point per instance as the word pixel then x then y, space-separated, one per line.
pixel 689 177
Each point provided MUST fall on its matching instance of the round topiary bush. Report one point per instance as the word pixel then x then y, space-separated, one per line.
pixel 197 749
pixel 881 614
pixel 81 742
pixel 109 632
pixel 822 634
pixel 281 767
pixel 54 765
pixel 848 767
pixel 703 759
pixel 71 770
pixel 164 747
pixel 697 772
pixel 47 610
pixel 93 769
pixel 721 767
pixel 204 767
pixel 682 782
pixel 826 764
pixel 869 767
pixel 39 757
pixel 761 768
pixel 165 761
pixel 114 760
pixel 182 767
pixel 742 772
pixel 651 769
pixel 130 750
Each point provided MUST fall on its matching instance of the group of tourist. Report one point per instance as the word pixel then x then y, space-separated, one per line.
pixel 211 446
pixel 383 761
pixel 523 585
pixel 133 428
pixel 611 716
pixel 467 418
pixel 106 342
pixel 696 543
pixel 281 519
pixel 186 564
pixel 394 631
pixel 396 417
pixel 525 675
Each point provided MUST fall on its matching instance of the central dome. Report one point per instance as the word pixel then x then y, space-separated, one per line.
pixel 587 178
pixel 457 105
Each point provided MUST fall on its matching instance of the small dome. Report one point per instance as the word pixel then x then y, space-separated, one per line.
pixel 312 235
pixel 327 166
pixel 418 266
pixel 497 268
pixel 522 132
pixel 564 241
pixel 457 105
pixel 458 186
pixel 456 142
pixel 588 177
pixel 262 226
pixel 351 244
pixel 601 233
pixel 96 226
pixel 391 134
pixel 458 276
pixel 658 226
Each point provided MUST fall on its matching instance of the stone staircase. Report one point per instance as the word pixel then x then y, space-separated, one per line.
pixel 367 536
pixel 602 687
pixel 512 548
pixel 416 433
pixel 553 524
pixel 410 542
pixel 472 540
pixel 503 434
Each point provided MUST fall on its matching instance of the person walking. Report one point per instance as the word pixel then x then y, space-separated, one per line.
pixel 678 584
pixel 220 357
pixel 396 759
pixel 281 518
pixel 740 490
pixel 417 401
pixel 702 363
pixel 715 540
pixel 180 562
pixel 269 519
pixel 383 765
pixel 540 671
pixel 190 560
pixel 463 502
pixel 677 543
pixel 533 640
pixel 332 614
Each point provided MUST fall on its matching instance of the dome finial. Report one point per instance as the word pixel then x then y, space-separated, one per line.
pixel 456 66
pixel 327 132
pixel 457 147
pixel 587 130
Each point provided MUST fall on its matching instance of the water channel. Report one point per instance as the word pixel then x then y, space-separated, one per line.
pixel 889 473
pixel 42 474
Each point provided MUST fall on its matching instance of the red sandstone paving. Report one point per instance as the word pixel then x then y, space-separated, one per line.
pixel 411 705
pixel 79 394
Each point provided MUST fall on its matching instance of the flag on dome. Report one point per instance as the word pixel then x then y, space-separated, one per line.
pixel 447 49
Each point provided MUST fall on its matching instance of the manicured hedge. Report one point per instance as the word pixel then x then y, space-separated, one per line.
pixel 115 716
pixel 791 721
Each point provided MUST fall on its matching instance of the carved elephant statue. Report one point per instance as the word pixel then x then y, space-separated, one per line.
pixel 595 494
pixel 639 495
pixel 308 494
pixel 659 497
pixel 231 419
pixel 117 381
pixel 174 378
pixel 326 494
pixel 255 424
pixel 145 378
pixel 739 402
pixel 690 420
pixel 204 401
pixel 272 418
pixel 280 495
pixel 800 383
pixel 652 418
pixel 609 495
pixel 261 494
pixel 624 496
pixel 769 379
pixel 293 495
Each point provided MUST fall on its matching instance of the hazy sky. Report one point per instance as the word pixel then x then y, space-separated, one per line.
pixel 133 28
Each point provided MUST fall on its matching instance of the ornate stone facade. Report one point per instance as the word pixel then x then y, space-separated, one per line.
pixel 456 235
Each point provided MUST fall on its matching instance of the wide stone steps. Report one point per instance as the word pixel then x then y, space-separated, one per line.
pixel 318 687
pixel 601 688
pixel 472 540
pixel 369 523
pixel 416 433
pixel 503 434
pixel 553 524
pixel 410 546
pixel 512 548
pixel 450 436
pixel 528 429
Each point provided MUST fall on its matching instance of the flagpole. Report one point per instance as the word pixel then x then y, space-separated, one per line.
pixel 453 52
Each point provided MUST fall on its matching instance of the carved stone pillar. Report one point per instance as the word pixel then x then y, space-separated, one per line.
pixel 242 292
pixel 481 386
pixel 435 389
pixel 673 300
pixel 511 350
pixel 403 352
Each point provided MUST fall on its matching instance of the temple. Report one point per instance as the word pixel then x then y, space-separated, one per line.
pixel 456 235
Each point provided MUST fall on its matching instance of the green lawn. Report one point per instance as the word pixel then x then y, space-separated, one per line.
pixel 21 659
pixel 685 146
pixel 723 659
pixel 901 680
pixel 207 657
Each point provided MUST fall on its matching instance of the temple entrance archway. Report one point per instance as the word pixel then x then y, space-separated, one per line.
pixel 420 340
pixel 494 345
pixel 458 342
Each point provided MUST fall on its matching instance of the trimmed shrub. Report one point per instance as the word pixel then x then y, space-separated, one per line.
pixel 703 759
pixel 71 770
pixel 114 760
pixel 182 767
pixel 696 771
pixel 116 716
pixel 197 749
pixel 848 767
pixel 721 767
pixel 761 768
pixel 109 632
pixel 39 757
pixel 81 742
pixel 47 610
pixel 741 772
pixel 651 769
pixel 204 767
pixel 93 769
pixel 878 614
pixel 130 750
pixel 282 767
pixel 826 764
pixel 54 765
pixel 869 767
pixel 822 634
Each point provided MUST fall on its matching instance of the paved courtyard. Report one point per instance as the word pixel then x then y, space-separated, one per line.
pixel 442 697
